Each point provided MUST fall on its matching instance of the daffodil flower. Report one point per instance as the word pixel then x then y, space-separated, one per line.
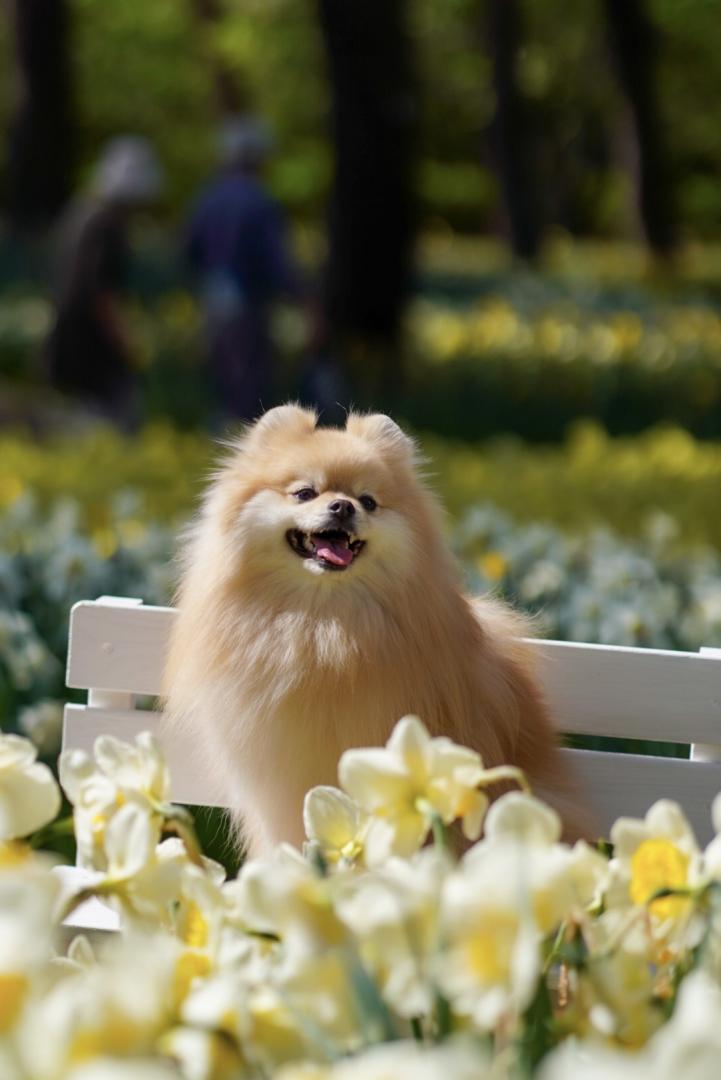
pixel 119 774
pixel 656 854
pixel 29 795
pixel 412 782
pixel 334 824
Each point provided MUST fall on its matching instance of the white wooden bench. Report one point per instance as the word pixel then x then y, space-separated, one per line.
pixel 117 648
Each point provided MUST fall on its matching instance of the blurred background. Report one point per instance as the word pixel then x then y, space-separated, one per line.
pixel 499 220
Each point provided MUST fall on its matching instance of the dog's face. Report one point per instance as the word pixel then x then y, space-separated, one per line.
pixel 311 505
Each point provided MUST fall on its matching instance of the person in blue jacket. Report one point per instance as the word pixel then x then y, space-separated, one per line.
pixel 238 252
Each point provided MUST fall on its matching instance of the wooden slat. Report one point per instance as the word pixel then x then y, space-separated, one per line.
pixel 616 784
pixel 189 784
pixel 632 693
pixel 592 689
pixel 625 785
pixel 118 648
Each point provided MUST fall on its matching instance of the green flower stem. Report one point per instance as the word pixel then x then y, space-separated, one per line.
pixel 439 832
pixel 444 1018
pixel 54 831
pixel 423 806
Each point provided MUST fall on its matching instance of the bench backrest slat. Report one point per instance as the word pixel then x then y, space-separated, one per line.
pixel 592 689
pixel 190 784
pixel 627 784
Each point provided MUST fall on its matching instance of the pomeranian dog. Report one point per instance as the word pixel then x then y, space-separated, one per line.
pixel 319 603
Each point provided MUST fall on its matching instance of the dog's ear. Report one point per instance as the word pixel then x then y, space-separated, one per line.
pixel 287 420
pixel 383 432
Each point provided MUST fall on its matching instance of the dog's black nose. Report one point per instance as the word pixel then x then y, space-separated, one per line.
pixel 342 509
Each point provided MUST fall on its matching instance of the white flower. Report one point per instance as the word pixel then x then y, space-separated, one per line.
pixel 689 1045
pixel 404 785
pixel 42 723
pixel 409 1061
pixel 143 884
pixel 281 894
pixel 260 1018
pixel 139 768
pixel 29 796
pixel 656 853
pixel 202 1054
pixel 114 1009
pixel 509 892
pixel 118 773
pixel 491 958
pixel 335 824
pixel 393 913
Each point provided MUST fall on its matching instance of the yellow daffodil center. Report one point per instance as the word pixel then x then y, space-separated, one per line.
pixel 659 864
pixel 13 853
pixel 195 928
pixel 113 1037
pixel 12 991
pixel 488 950
pixel 189 966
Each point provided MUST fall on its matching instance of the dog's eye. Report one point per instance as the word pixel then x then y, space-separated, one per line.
pixel 305 494
pixel 368 503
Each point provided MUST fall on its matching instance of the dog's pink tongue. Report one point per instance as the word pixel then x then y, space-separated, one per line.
pixel 334 552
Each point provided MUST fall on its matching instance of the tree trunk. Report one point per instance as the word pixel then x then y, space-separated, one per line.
pixel 510 130
pixel 371 216
pixel 41 141
pixel 634 45
pixel 230 96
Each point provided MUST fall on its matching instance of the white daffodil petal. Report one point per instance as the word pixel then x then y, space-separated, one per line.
pixel 518 816
pixel 330 817
pixel 373 779
pixel 29 799
pixel 74 767
pixel 666 818
pixel 16 752
pixel 130 840
pixel 412 743
pixel 627 834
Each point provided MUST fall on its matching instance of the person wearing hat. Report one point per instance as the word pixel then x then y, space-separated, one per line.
pixel 87 353
pixel 236 248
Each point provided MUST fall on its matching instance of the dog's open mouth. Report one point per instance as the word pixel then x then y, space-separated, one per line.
pixel 334 549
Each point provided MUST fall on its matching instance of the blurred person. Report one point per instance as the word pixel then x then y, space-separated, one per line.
pixel 88 353
pixel 237 250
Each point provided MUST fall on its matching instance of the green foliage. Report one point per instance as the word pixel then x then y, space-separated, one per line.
pixel 149 67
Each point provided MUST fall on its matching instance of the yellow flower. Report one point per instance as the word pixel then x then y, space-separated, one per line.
pixel 656 865
pixel 493 565
pixel 658 852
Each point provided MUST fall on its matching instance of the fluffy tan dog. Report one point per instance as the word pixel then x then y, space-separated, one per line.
pixel 319 604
